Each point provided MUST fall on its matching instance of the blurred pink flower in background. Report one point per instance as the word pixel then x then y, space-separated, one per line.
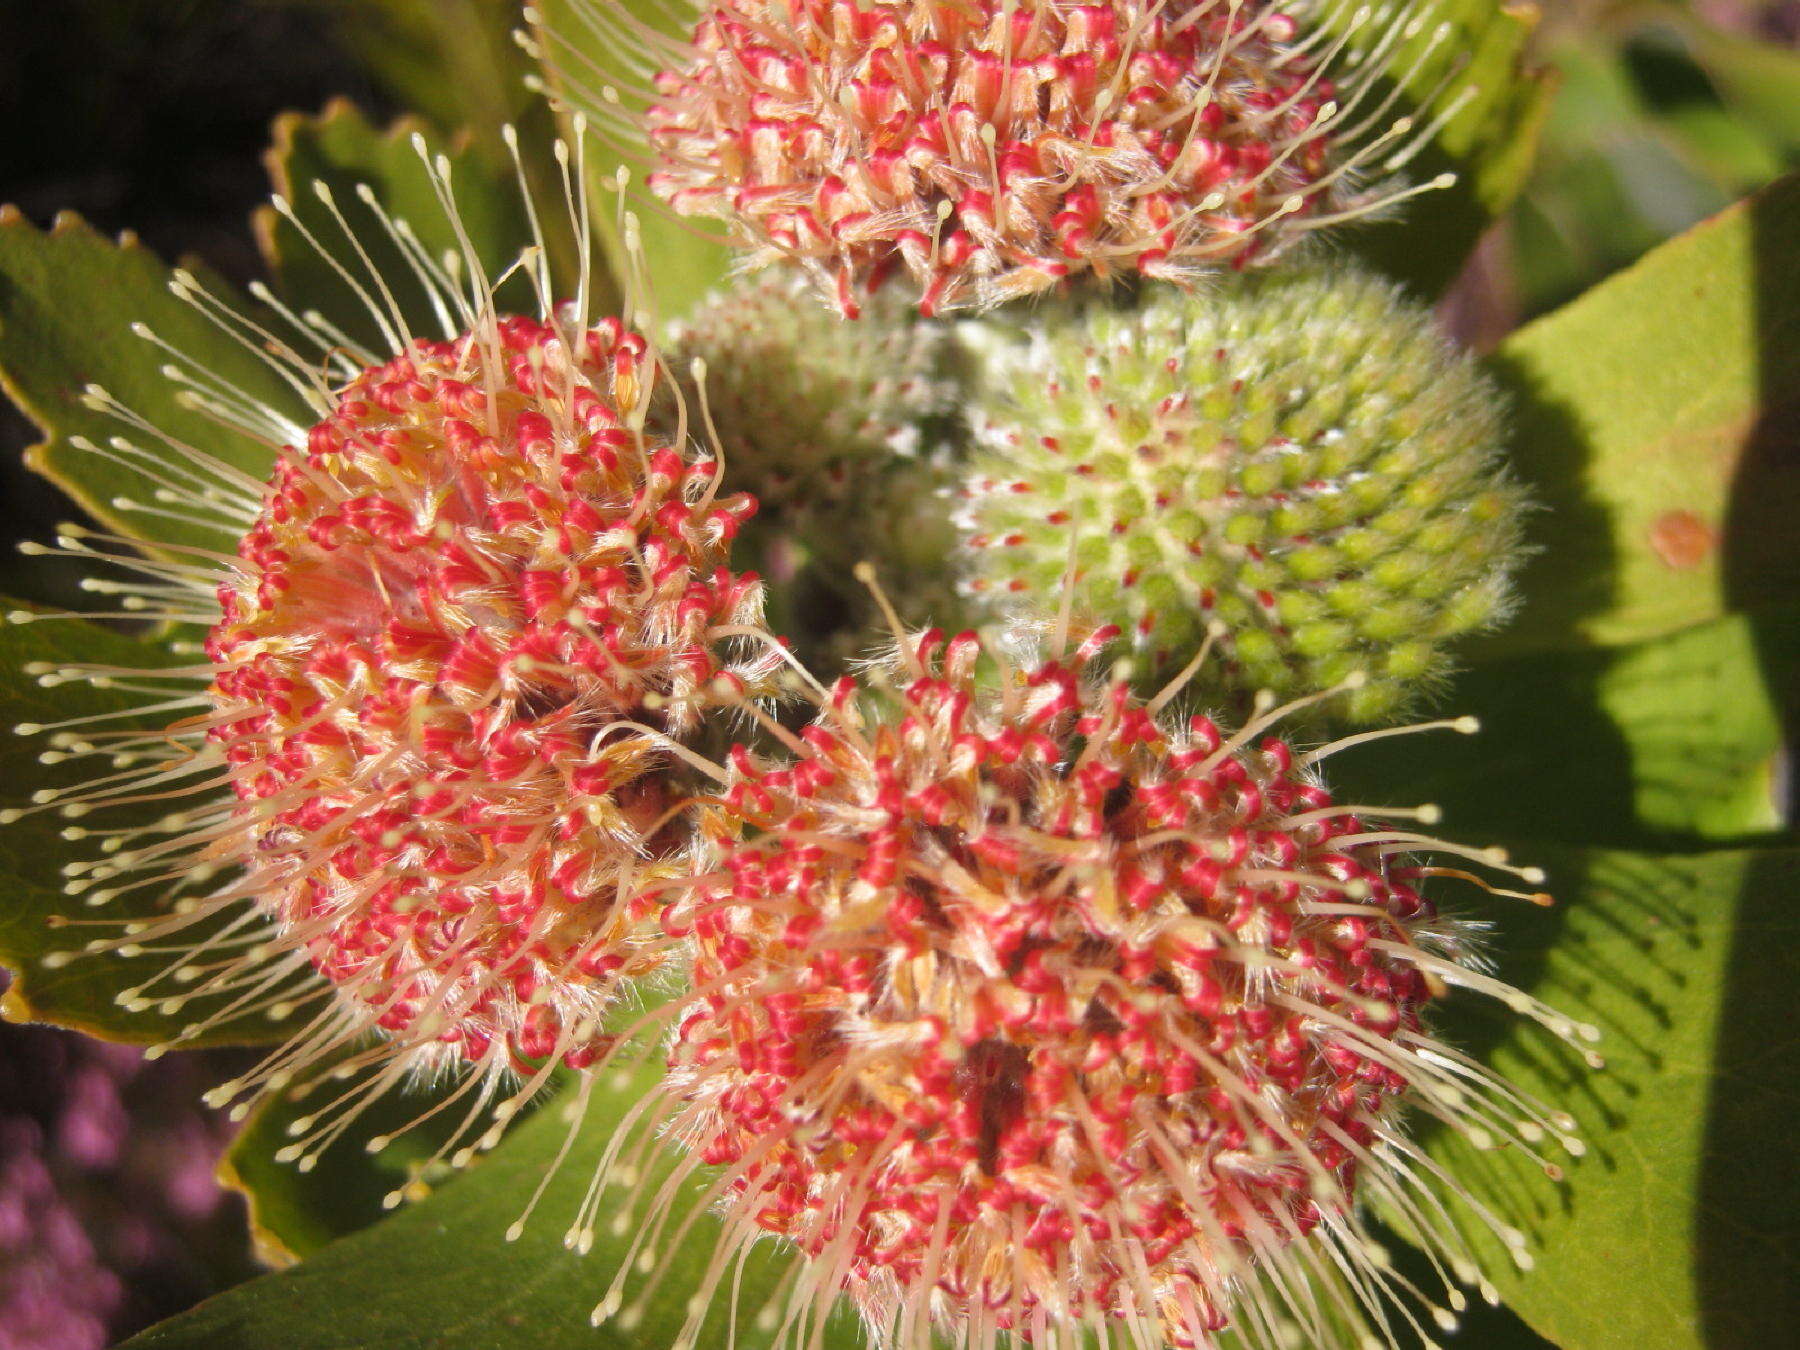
pixel 54 1292
pixel 110 1216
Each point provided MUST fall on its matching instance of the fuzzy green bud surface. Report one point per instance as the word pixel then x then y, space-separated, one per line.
pixel 808 407
pixel 1301 465
pixel 842 431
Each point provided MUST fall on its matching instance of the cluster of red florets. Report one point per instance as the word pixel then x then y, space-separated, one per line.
pixel 477 566
pixel 993 149
pixel 1038 1005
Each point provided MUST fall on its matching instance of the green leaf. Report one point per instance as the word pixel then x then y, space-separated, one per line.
pixel 452 61
pixel 1666 744
pixel 1761 80
pixel 340 149
pixel 293 1214
pixel 1679 1229
pixel 1489 144
pixel 585 57
pixel 68 298
pixel 1645 139
pixel 1652 420
pixel 438 1276
pixel 82 992
pixel 456 63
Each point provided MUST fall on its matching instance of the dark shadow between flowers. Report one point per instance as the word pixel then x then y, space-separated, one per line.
pixel 1747 1234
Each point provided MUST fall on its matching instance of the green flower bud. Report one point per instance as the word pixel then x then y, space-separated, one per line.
pixel 806 405
pixel 1303 458
pixel 839 429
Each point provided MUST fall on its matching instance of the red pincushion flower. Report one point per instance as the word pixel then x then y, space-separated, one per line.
pixel 431 775
pixel 1039 1009
pixel 990 150
pixel 475 570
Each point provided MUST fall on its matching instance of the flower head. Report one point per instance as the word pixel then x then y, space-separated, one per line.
pixel 431 752
pixel 989 150
pixel 474 577
pixel 1302 461
pixel 1034 1007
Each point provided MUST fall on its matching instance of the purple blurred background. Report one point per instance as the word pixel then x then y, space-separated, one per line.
pixel 110 1217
